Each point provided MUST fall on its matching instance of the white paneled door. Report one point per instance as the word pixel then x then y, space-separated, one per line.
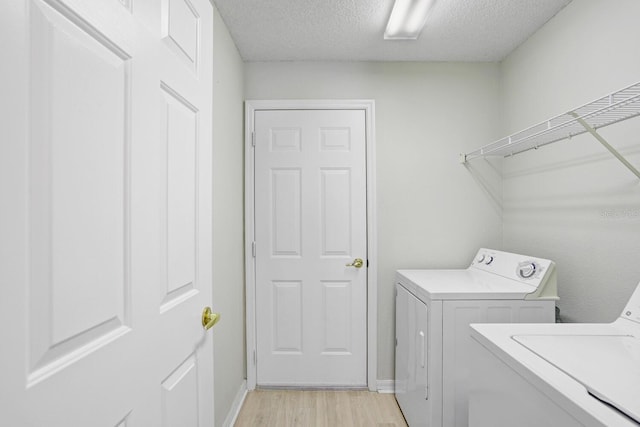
pixel 310 222
pixel 105 218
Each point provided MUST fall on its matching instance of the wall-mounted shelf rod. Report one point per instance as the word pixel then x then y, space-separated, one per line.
pixel 613 108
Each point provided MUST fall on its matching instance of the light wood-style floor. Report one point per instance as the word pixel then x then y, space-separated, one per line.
pixel 284 408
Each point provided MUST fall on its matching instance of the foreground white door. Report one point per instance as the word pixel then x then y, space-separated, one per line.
pixel 310 221
pixel 105 213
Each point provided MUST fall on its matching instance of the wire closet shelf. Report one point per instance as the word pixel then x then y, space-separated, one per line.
pixel 613 108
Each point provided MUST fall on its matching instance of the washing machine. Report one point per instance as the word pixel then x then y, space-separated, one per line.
pixel 561 375
pixel 433 311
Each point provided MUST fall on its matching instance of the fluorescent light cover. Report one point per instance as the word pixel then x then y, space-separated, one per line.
pixel 407 19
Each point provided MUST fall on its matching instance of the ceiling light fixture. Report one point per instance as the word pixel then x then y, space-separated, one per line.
pixel 407 19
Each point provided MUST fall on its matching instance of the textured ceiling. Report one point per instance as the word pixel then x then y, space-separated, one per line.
pixel 351 30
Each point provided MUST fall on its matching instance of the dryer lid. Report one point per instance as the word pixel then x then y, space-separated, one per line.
pixel 608 366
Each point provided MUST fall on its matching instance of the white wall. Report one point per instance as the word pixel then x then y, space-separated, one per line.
pixel 432 211
pixel 228 225
pixel 572 201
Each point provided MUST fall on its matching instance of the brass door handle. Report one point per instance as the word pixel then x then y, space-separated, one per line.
pixel 357 263
pixel 209 318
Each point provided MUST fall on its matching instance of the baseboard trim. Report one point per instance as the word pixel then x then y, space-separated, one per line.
pixel 386 386
pixel 234 411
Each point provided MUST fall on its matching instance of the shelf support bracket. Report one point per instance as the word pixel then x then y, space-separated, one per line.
pixel 606 145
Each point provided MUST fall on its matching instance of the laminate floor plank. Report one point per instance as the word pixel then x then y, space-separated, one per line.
pixel 319 408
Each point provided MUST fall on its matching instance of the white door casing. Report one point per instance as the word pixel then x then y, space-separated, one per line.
pixel 311 321
pixel 105 226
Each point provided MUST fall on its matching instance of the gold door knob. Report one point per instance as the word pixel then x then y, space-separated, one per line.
pixel 357 263
pixel 209 318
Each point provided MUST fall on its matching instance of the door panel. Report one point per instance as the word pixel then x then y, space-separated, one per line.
pixel 286 212
pixel 335 208
pixel 180 396
pixel 310 187
pixel 337 322
pixel 180 122
pixel 287 323
pixel 78 195
pixel 105 230
pixel 181 29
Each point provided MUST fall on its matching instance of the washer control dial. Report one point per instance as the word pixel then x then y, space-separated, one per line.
pixel 480 259
pixel 488 260
pixel 527 269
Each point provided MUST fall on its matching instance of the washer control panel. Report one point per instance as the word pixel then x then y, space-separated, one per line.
pixel 484 259
pixel 527 269
pixel 523 268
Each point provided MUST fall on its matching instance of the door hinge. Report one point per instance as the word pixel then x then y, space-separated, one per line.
pixel 255 358
pixel 253 139
pixel 253 249
pixel 367 263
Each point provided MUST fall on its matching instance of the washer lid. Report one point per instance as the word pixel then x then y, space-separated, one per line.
pixel 608 366
pixel 462 284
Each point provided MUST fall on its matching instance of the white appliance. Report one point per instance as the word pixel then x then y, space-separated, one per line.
pixel 433 311
pixel 557 375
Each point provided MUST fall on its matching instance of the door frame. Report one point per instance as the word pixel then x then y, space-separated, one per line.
pixel 368 106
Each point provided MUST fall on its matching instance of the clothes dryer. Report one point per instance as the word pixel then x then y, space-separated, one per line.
pixel 561 375
pixel 433 311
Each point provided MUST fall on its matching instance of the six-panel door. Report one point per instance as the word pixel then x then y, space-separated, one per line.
pixel 310 210
pixel 106 213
